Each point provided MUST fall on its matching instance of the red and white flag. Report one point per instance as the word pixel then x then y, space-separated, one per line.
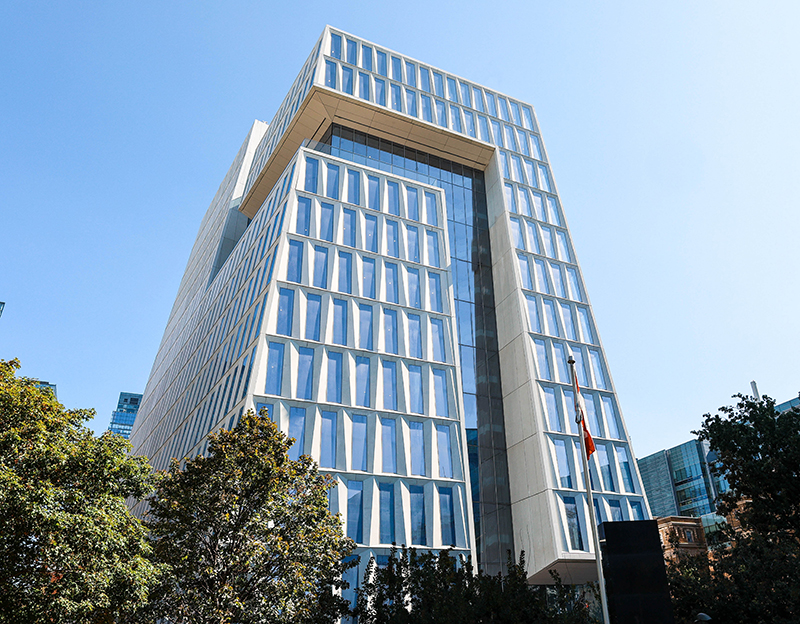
pixel 580 414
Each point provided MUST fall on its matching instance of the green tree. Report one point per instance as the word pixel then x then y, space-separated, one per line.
pixel 430 588
pixel 247 534
pixel 70 551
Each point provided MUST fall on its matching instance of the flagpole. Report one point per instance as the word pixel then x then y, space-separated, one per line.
pixel 587 479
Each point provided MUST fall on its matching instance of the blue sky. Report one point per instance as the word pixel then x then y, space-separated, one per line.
pixel 672 129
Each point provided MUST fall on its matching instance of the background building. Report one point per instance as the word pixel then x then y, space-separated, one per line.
pixel 46 385
pixel 387 269
pixel 123 417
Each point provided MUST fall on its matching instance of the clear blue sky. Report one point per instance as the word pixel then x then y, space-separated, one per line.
pixel 672 128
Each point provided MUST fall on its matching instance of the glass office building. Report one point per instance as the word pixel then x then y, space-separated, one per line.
pixel 124 416
pixel 387 270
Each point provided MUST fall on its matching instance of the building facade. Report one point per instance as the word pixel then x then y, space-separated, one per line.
pixel 124 416
pixel 387 270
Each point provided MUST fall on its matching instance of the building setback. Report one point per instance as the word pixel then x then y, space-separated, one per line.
pixel 387 270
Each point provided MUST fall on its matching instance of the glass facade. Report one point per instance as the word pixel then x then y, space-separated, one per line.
pixel 124 416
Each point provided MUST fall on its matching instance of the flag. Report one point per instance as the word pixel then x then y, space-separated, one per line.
pixel 580 414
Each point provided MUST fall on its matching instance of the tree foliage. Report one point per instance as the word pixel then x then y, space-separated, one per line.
pixel 247 534
pixel 69 549
pixel 752 573
pixel 429 588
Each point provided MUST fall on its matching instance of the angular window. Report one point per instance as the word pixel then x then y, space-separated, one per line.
pixel 397 98
pixel 580 369
pixel 483 124
pixel 355 511
pixel 413 288
pixel 424 79
pixel 417 445
pixel 339 322
pixel 380 92
pixel 418 529
pixel 597 369
pixel 431 215
pixel 550 316
pixel 563 247
pixel 330 74
pixel 366 58
pixel 440 393
pixel 545 178
pixel 441 113
pixel 411 74
pixel 345 272
pixel 616 511
pixel 636 508
pixel 393 192
pixel 573 523
pixel 435 291
pixel 437 339
pixel 347 80
pixel 285 311
pixel 363 86
pixel 305 373
pixel 625 468
pixel 320 267
pixel 455 117
pixel 569 325
pixel 352 52
pixel 359 443
pixel 574 285
pixel 389 444
pixel 332 184
pixel 523 142
pixel 525 204
pixel 564 472
pixel 411 102
pixel 452 91
pixel 526 112
pixel 525 271
pixel 294 271
pixel 497 133
pixel 586 328
pixel 412 236
pixel 368 278
pixel 382 63
pixel 397 69
pixel 349 227
pixel 547 238
pixel 516 234
pixel 606 470
pixel 326 222
pixel 392 288
pixel 414 336
pixel 390 331
pixel 538 204
pixel 365 325
pixel 362 382
pixel 542 361
pixel 561 362
pixel 274 368
pixel 415 389
pixel 448 516
pixel 335 363
pixel 541 277
pixel 327 456
pixel 445 455
pixel 386 504
pixel 427 108
pixel 354 187
pixel 517 164
pixel 511 139
pixel 551 406
pixel 390 385
pixel 533 314
pixel 297 430
pixel 537 148
pixel 478 97
pixel 433 248
pixel 371 233
pixel 611 418
pixel 469 123
pixel 438 84
pixel 466 100
pixel 374 192
pixel 313 305
pixel 312 172
pixel 490 104
pixel 392 238
pixel 303 215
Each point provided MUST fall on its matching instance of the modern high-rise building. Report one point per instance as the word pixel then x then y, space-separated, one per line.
pixel 387 269
pixel 124 416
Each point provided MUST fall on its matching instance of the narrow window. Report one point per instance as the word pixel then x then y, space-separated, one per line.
pixel 538 205
pixel 397 69
pixel 381 63
pixel 368 278
pixel 305 373
pixel 440 393
pixel 435 289
pixel 606 470
pixel 415 389
pixel 321 267
pixel 345 272
pixel 294 271
pixel 390 331
pixel 312 172
pixel 418 529
pixel 580 369
pixel 392 290
pixel 525 271
pixel 523 141
pixel 511 140
pixel 550 316
pixel 517 166
pixel 347 80
pixel 561 362
pixel 433 248
pixel 563 247
pixel 574 286
pixel 497 133
pixel 417 444
pixel 413 288
pixel 542 361
pixel 525 202
pixel 536 146
pixel 455 117
pixel 359 443
pixel 573 523
pixel 365 325
pixel 511 199
pixel 297 430
pixel 274 368
pixel 352 52
pixel 390 385
pixel 437 339
pixel 349 227
pixel 625 468
pixel 452 91
pixel 597 369
pixel 411 102
pixel 551 406
pixel 564 472
pixel 516 234
pixel 414 337
pixel 332 182
pixel 355 511
pixel 393 191
pixel 386 496
pixel 366 58
pixel 327 457
pixel 339 322
pixel 431 214
pixel 490 104
pixel 445 456
pixel 371 233
pixel 392 239
pixel 528 117
pixel 389 444
pixel 448 516
pixel 354 187
pixel 336 46
pixel 412 239
pixel 374 192
pixel 411 74
pixel 335 377
pixel 638 512
pixel 586 327
pixel 397 98
pixel 330 74
pixel 478 97
pixel 569 325
pixel 616 511
pixel 441 113
pixel 545 178
pixel 285 311
pixel 313 305
pixel 427 108
pixel 380 92
pixel 363 86
pixel 541 276
pixel 611 418
pixel 483 125
pixel 424 79
pixel 469 123
pixel 438 84
pixel 326 222
pixel 533 314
